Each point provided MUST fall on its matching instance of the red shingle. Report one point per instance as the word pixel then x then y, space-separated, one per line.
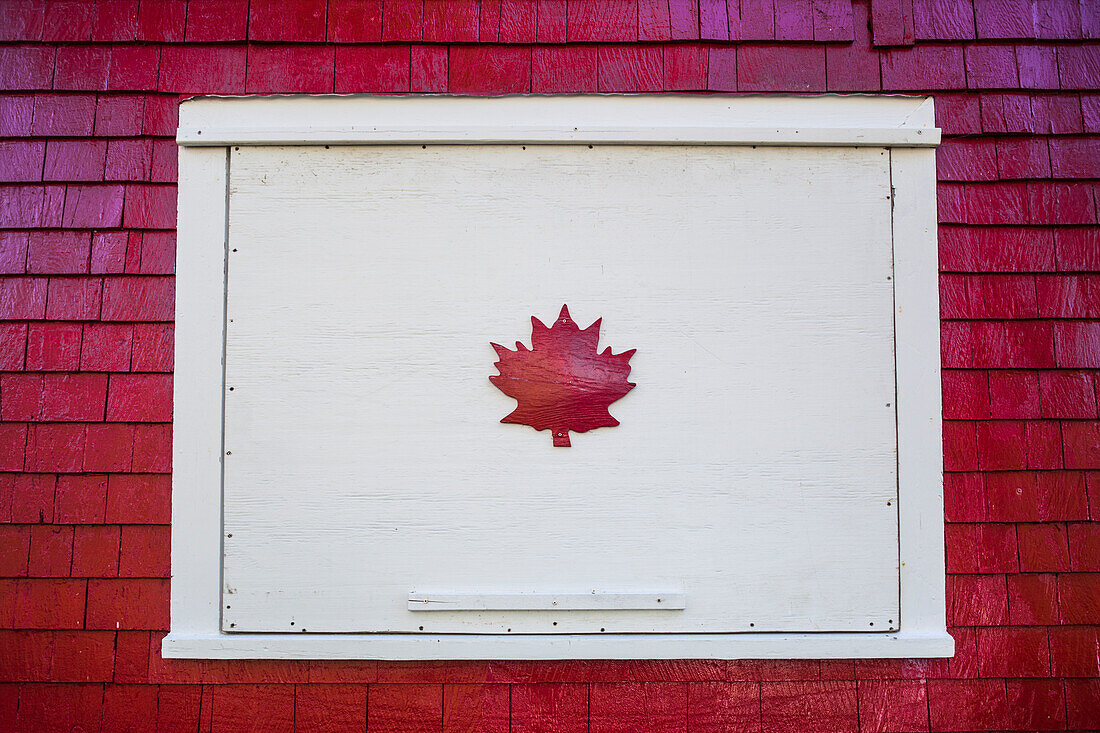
pixel 1078 344
pixel 630 68
pixel 162 21
pixel 926 66
pixel 1075 651
pixel 683 20
pixel 1036 704
pixel 723 706
pixel 722 69
pixel 372 69
pixel 558 69
pixel 893 705
pixel 480 707
pixel 144 552
pixel 53 346
pixel 26 67
pixel 1032 600
pixel 115 20
pixel 51 551
pixel 21 20
pixel 354 21
pixel 406 707
pixel 132 603
pixel 1079 66
pixel 756 20
pixel 781 68
pixel 991 67
pixel 1083 704
pixel 1075 157
pixel 153 347
pixel 15 545
pixel 146 298
pixel 152 448
pixel 653 21
pixel 549 706
pixel 81 68
pixel 1038 67
pixel 203 69
pixel 139 499
pixel 402 20
pixel 41 706
pixel 263 707
pixel 140 398
pixel 959 705
pixel 274 20
pixel 49 603
pixel 1079 598
pixel 429 69
pixel 217 20
pixel 452 22
pixel 943 20
pixel 785 706
pixel 552 19
pixel 290 69
pixel 608 21
pixel 109 447
pixel 324 706
pixel 1043 548
pixel 95 551
pixel 129 707
pixel 489 70
pixel 134 67
pixel 81 499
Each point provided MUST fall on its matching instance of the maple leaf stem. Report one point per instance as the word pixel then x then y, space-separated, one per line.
pixel 561 438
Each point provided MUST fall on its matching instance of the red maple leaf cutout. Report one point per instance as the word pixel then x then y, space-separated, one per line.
pixel 561 383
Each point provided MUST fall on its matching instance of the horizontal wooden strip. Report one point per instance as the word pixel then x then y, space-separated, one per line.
pixel 556 646
pixel 827 136
pixel 607 119
pixel 547 601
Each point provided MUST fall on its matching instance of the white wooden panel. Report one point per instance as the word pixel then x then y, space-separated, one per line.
pixel 920 430
pixel 755 467
pixel 197 395
pixel 606 119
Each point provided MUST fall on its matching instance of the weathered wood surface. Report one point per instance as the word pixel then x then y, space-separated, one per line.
pixel 594 601
pixel 844 121
pixel 367 459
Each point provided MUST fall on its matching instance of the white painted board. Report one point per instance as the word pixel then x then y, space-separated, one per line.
pixel 606 119
pixel 755 469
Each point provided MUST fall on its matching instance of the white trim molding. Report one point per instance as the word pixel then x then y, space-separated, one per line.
pixel 559 646
pixel 210 126
pixel 847 121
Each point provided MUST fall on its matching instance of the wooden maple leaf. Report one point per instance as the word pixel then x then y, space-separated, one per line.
pixel 561 383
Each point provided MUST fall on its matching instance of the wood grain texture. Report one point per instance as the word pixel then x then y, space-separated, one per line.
pixel 425 601
pixel 198 409
pixel 550 707
pixel 892 22
pixel 606 119
pixel 518 21
pixel 365 414
pixel 653 21
pixel 476 708
pixel 920 453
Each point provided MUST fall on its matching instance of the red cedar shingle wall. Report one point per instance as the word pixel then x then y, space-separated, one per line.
pixel 87 195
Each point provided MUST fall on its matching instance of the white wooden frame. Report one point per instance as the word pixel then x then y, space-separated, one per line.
pixel 208 126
